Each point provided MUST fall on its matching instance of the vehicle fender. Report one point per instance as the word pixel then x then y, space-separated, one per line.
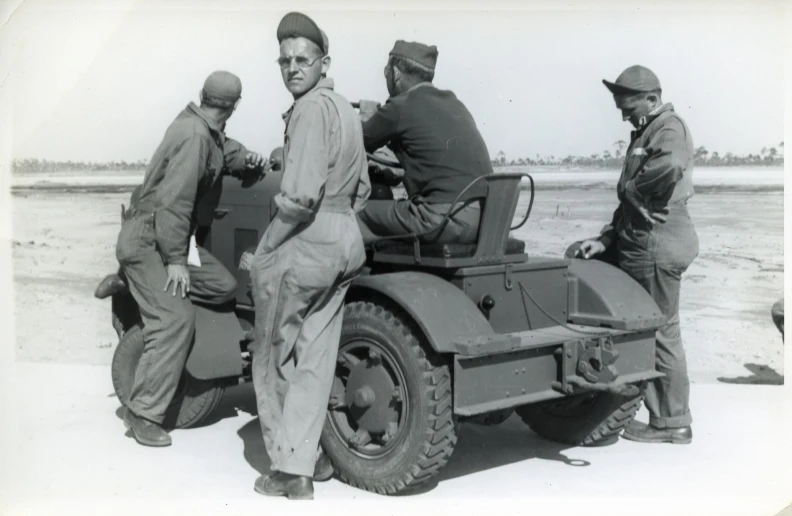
pixel 442 311
pixel 217 349
pixel 603 295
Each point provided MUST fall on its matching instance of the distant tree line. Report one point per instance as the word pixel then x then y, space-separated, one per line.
pixel 769 156
pixel 44 166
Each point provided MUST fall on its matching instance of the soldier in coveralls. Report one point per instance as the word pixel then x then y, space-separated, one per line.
pixel 152 248
pixel 652 238
pixel 305 263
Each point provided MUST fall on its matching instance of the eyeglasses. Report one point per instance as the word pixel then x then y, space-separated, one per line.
pixel 301 61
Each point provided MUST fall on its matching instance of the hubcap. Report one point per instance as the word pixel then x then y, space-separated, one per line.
pixel 367 403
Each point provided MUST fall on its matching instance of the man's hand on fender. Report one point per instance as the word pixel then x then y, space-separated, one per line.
pixel 590 248
pixel 179 277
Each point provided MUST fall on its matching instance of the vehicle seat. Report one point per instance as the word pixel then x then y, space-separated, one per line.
pixel 494 244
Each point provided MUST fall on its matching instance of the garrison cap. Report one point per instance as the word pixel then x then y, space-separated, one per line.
pixel 295 25
pixel 423 55
pixel 635 79
pixel 224 87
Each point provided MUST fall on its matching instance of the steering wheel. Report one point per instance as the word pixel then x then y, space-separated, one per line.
pixel 375 158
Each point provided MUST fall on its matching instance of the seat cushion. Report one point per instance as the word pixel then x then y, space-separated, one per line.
pixel 405 247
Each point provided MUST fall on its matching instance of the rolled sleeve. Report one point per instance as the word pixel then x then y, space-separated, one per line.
pixel 668 158
pixel 306 163
pixel 175 197
pixel 382 127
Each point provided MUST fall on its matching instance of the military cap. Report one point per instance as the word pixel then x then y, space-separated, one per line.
pixel 295 25
pixel 635 79
pixel 223 86
pixel 423 55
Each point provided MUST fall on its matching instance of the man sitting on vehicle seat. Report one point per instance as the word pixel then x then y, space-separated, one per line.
pixel 436 140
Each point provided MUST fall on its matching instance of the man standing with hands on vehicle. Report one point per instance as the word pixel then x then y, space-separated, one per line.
pixel 156 238
pixel 305 262
pixel 654 238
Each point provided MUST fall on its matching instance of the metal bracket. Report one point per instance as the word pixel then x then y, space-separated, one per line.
pixel 507 277
pixel 588 364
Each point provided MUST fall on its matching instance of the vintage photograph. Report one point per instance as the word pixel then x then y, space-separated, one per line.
pixel 394 257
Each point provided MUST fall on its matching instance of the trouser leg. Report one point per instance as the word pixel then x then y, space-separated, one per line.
pixel 402 217
pixel 168 331
pixel 667 398
pixel 311 379
pixel 211 283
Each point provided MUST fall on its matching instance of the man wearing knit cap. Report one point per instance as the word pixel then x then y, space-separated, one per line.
pixel 436 140
pixel 305 262
pixel 652 238
pixel 152 247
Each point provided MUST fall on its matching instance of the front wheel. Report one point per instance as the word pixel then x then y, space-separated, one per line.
pixel 390 424
pixel 194 399
pixel 582 420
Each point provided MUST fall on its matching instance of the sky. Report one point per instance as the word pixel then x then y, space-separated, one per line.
pixel 100 81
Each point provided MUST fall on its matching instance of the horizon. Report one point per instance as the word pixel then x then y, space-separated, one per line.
pixel 88 87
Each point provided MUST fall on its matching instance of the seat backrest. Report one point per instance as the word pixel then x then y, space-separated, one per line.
pixel 503 193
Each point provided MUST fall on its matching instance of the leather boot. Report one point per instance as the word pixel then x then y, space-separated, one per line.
pixel 294 487
pixel 145 432
pixel 643 433
pixel 323 469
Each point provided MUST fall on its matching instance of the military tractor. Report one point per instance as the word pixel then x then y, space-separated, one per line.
pixel 433 336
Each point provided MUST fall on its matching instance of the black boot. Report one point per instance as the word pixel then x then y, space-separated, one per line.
pixel 147 433
pixel 644 433
pixel 323 469
pixel 294 487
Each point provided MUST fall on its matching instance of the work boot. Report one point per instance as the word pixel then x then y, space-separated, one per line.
pixel 643 433
pixel 323 469
pixel 294 487
pixel 145 432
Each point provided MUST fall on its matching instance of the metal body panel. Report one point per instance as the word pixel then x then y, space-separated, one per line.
pixel 242 214
pixel 216 352
pixel 443 312
pixel 506 380
pixel 603 295
pixel 514 310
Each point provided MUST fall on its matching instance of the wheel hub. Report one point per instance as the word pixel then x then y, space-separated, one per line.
pixel 369 392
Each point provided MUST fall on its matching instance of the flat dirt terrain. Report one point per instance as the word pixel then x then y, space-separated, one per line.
pixel 65 231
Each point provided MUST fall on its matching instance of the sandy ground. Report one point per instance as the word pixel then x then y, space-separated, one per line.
pixel 74 459
pixel 64 242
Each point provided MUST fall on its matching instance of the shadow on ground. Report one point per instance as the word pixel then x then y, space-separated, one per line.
pixel 479 448
pixel 761 375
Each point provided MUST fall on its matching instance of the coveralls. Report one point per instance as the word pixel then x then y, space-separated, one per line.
pixel 156 232
pixel 436 139
pixel 300 278
pixel 659 166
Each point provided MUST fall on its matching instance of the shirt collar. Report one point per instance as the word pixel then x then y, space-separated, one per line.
pixel 214 127
pixel 655 113
pixel 324 83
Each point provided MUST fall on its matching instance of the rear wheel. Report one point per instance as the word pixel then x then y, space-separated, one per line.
pixel 583 420
pixel 194 399
pixel 390 423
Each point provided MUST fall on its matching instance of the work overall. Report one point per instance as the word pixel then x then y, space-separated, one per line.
pixel 300 285
pixel 154 233
pixel 659 166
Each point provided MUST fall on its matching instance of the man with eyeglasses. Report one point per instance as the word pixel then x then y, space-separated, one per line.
pixel 305 262
pixel 435 138
pixel 154 242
